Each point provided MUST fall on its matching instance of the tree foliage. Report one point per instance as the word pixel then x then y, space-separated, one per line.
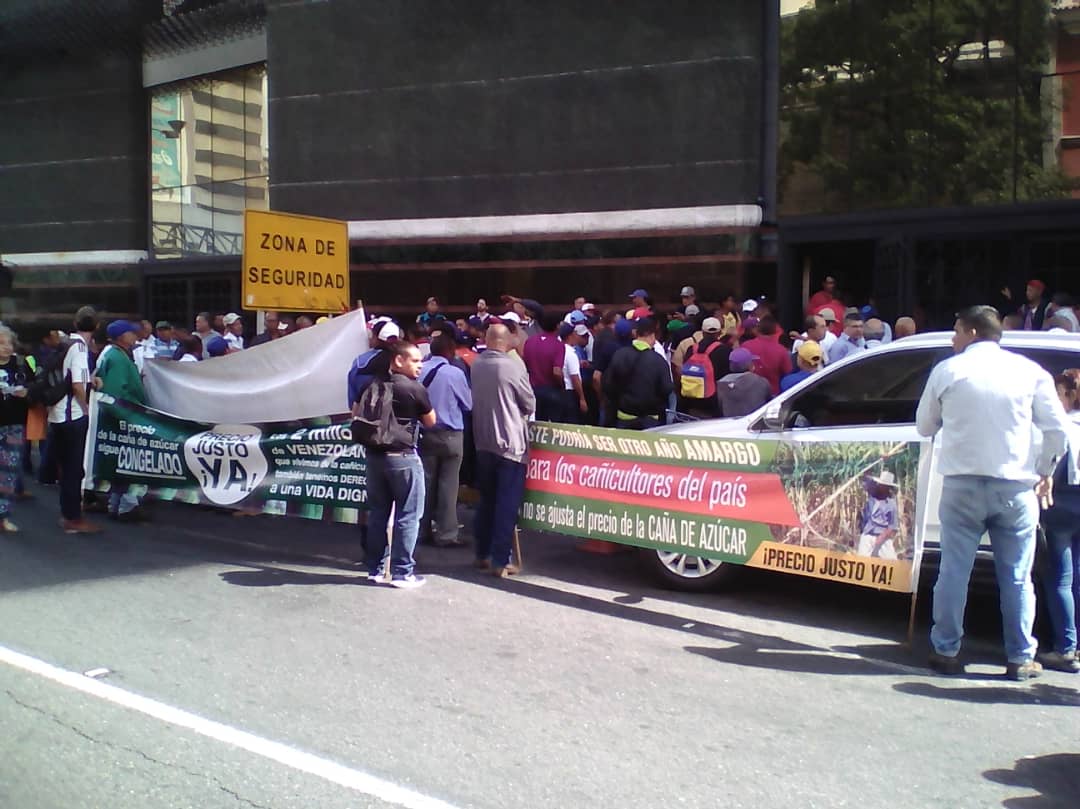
pixel 895 103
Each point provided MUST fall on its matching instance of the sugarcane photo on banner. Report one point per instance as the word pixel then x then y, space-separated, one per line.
pixel 844 511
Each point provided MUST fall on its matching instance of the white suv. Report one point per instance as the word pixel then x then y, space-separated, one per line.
pixel 870 396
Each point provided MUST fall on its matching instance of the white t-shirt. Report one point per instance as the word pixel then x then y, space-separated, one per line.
pixel 189 358
pixel 235 341
pixel 76 363
pixel 571 367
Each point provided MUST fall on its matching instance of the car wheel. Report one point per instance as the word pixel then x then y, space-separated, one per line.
pixel 692 574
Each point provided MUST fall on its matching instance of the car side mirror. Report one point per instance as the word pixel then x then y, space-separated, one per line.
pixel 774 416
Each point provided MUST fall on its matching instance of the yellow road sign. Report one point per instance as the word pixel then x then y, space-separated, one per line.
pixel 295 263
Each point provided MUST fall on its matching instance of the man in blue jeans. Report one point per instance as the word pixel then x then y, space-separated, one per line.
pixel 503 403
pixel 395 476
pixel 985 402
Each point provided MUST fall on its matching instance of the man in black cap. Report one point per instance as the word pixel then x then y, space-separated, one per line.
pixel 163 343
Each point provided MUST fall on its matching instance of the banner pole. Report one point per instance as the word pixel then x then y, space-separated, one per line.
pixel 517 550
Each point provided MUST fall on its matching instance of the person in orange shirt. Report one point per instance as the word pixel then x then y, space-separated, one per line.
pixel 826 296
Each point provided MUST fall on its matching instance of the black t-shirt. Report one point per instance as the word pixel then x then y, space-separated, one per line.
pixel 15 372
pixel 410 403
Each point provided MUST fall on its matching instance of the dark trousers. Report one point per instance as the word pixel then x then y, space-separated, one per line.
pixel 67 441
pixel 549 403
pixel 440 453
pixel 640 423
pixel 47 472
pixel 502 487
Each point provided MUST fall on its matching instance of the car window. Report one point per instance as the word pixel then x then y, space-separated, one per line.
pixel 883 388
pixel 1054 360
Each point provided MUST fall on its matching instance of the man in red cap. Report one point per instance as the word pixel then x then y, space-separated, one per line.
pixel 1033 312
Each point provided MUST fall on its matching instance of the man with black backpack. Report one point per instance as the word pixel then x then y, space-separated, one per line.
pixel 638 381
pixel 65 392
pixel 386 420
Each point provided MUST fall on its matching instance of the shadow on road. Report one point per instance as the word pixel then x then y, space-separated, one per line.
pixel 1034 694
pixel 264 576
pixel 813 661
pixel 1055 777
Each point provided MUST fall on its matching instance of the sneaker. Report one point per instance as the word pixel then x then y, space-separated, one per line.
pixel 1061 662
pixel 943 664
pixel 1028 670
pixel 375 577
pixel 506 570
pixel 410 582
pixel 8 527
pixel 80 526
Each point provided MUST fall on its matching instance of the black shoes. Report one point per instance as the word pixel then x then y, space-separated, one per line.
pixel 942 664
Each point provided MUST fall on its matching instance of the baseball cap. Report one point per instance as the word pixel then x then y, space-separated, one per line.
pixel 749 305
pixel 638 292
pixel 432 299
pixel 711 325
pixel 741 358
pixel 163 324
pixel 810 352
pixel 828 315
pixel 588 307
pixel 389 330
pixel 581 329
pixel 578 317
pixel 686 291
pixel 1035 282
pixel 624 327
pixel 750 323
pixel 217 347
pixel 476 322
pixel 511 317
pixel 535 310
pixel 323 319
pixel 692 309
pixel 867 311
pixel 120 327
pixel 230 318
pixel 565 329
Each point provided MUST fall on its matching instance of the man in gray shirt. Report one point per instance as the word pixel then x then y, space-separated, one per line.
pixel 742 391
pixel 984 402
pixel 503 402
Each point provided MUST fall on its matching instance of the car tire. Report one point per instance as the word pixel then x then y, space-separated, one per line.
pixel 697 574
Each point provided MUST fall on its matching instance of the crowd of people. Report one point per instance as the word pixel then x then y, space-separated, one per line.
pixel 445 401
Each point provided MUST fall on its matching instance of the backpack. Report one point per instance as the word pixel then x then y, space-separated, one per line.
pixel 51 384
pixel 374 424
pixel 361 375
pixel 698 377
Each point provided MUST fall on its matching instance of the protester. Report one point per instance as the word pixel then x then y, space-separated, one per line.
pixel 163 344
pixel 395 475
pixel 431 314
pixel 15 379
pixel 68 424
pixel 1060 309
pixel 638 382
pixel 742 391
pixel 304 322
pixel 809 359
pixel 442 445
pixel 851 341
pixel 687 298
pixel 826 296
pixel 544 356
pixel 574 403
pixel 503 403
pixel 641 305
pixel 817 330
pixel 621 331
pixel 191 349
pixel 234 334
pixel 986 462
pixel 1061 523
pixel 1033 312
pixel 705 364
pixel 727 314
pixel 772 361
pixel 874 333
pixel 204 332
pixel 272 329
pixel 117 376
pixel 482 313
pixel 905 327
pixel 217 347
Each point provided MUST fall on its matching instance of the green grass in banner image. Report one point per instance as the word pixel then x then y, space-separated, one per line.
pixel 830 483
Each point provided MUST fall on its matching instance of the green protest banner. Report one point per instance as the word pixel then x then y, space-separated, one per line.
pixel 311 469
pixel 844 511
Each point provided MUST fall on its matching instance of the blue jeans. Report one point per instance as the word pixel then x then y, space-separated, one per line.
pixel 394 480
pixel 502 487
pixel 1063 576
pixel 970 506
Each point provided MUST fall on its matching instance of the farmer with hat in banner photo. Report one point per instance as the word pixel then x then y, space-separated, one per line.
pixel 880 519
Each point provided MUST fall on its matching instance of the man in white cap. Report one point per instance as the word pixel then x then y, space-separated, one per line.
pixel 688 297
pixel 234 331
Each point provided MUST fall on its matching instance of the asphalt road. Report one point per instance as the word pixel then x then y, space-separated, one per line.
pixel 240 677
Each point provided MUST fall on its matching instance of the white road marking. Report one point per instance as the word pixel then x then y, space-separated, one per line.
pixel 275 751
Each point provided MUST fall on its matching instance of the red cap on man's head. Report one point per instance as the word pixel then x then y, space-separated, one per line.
pixel 1037 284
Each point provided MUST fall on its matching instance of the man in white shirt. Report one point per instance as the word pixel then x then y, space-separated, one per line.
pixel 68 422
pixel 985 402
pixel 576 405
pixel 818 331
pixel 234 331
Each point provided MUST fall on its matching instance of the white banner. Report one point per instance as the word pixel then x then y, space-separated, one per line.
pixel 301 376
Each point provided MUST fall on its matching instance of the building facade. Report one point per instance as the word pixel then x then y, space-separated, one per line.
pixel 476 149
